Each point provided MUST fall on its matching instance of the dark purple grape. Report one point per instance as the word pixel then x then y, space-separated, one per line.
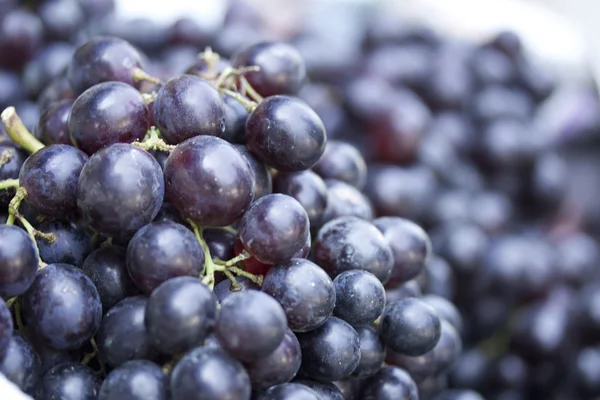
pixel 490 66
pixel 539 80
pixel 161 251
pixel 188 106
pixel 63 307
pixel 462 244
pixel 47 65
pixel 224 288
pixel 220 243
pixel 282 69
pixel 50 357
pixel 344 200
pixel 491 211
pixel 18 261
pixel 578 255
pixel 61 18
pixel 509 43
pixel 143 33
pixel 21 35
pixel 53 126
pixel 390 383
pixel 396 136
pixel 289 391
pixel 11 161
pixel 168 213
pixel 348 243
pixel 123 336
pixel 179 314
pixel 202 371
pixel 496 101
pixel 106 267
pixel 103 59
pixel 305 292
pixel 274 228
pixel 285 133
pixel 58 89
pixel 263 184
pixel 135 380
pixel 190 32
pixel 331 352
pixel 410 327
pixel 250 314
pixel 69 380
pixel 471 370
pixel 508 142
pixel 120 189
pixel 108 113
pixel 445 310
pixel 372 351
pixel 325 391
pixel 21 364
pixel 50 176
pixel 235 120
pixel 359 297
pixel 278 367
pixel 407 65
pixel 6 328
pixel 307 188
pixel 209 181
pixel 96 9
pixel 343 162
pixel 403 192
pixel 405 290
pixel 410 245
pixel 72 245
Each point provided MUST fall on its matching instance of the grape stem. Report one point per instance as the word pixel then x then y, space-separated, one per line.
pixel 249 90
pixel 235 286
pixel 9 183
pixel 140 75
pixel 96 352
pixel 249 105
pixel 11 301
pixel 15 203
pixel 153 141
pixel 5 156
pixel 17 131
pixel 149 97
pixel 227 267
pixel 212 59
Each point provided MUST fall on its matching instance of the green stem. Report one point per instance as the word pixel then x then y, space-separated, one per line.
pixel 244 255
pixel 258 279
pixel 15 203
pixel 6 155
pixel 235 286
pixel 9 183
pixel 140 75
pixel 32 234
pixel 97 353
pixel 249 105
pixel 209 265
pixel 17 131
pixel 249 90
pixel 153 141
pixel 11 301
pixel 149 97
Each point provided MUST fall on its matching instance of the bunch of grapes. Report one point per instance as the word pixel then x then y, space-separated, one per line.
pixel 225 215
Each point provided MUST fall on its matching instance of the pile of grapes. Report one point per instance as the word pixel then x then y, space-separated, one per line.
pixel 359 211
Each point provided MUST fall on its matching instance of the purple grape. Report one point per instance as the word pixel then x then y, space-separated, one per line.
pixel 50 176
pixel 209 181
pixel 286 134
pixel 122 335
pixel 179 314
pixel 18 261
pixel 72 245
pixel 262 178
pixel 108 113
pixel 63 307
pixel 343 162
pixel 307 188
pixel 53 126
pixel 291 391
pixel 161 251
pixel 359 297
pixel 331 352
pixel 21 364
pixel 135 380
pixel 282 69
pixel 348 243
pixel 278 367
pixel 21 35
pixel 120 189
pixel 390 383
pixel 14 158
pixel 274 228
pixel 188 106
pixel 250 314
pixel 103 59
pixel 202 371
pixel 48 64
pixel 69 380
pixel 305 292
pixel 6 328
pixel 106 267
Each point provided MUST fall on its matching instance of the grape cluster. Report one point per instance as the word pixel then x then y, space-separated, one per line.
pixel 359 210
